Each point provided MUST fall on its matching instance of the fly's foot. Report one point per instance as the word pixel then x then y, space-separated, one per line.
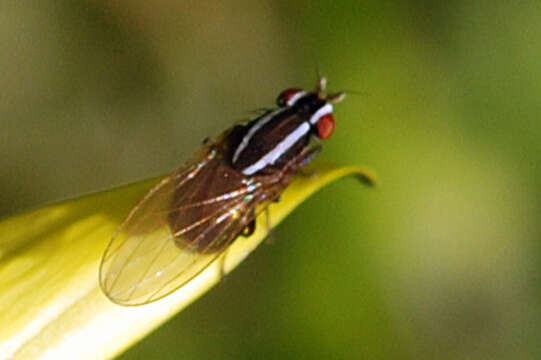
pixel 248 229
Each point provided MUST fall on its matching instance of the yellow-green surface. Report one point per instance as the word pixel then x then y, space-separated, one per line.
pixel 49 292
pixel 442 261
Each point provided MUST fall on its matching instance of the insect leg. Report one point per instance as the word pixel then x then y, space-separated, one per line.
pixel 305 158
pixel 310 155
pixel 270 229
pixel 249 228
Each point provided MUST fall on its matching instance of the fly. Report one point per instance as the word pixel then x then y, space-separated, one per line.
pixel 191 217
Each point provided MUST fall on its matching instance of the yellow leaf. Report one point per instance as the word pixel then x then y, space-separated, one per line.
pixel 51 305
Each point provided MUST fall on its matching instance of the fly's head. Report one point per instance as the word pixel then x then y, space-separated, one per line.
pixel 315 106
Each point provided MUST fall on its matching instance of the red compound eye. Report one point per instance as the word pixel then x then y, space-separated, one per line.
pixel 325 126
pixel 288 97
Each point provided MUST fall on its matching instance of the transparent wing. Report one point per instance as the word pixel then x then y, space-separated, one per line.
pixel 177 230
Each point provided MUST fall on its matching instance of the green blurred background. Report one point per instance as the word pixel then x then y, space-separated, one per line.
pixel 441 261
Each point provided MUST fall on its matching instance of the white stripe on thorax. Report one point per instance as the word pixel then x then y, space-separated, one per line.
pixel 265 119
pixel 278 150
pixel 258 125
pixel 295 98
pixel 322 111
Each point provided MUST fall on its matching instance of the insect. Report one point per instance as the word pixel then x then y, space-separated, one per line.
pixel 191 217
